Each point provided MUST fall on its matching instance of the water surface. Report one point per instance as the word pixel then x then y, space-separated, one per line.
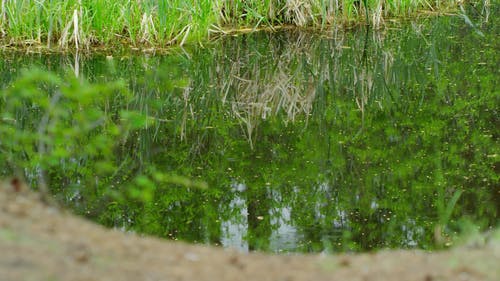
pixel 307 142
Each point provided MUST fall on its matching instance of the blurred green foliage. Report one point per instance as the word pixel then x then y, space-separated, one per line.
pixel 58 125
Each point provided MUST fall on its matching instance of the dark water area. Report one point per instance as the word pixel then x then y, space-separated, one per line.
pixel 334 141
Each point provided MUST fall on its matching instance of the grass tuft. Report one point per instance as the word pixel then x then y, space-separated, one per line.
pixel 81 24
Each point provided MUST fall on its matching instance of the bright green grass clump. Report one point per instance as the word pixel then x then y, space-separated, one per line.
pixel 84 23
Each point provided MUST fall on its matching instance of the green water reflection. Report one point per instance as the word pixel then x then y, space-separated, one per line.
pixel 307 142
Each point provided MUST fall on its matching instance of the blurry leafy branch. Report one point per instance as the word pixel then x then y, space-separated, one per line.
pixel 62 132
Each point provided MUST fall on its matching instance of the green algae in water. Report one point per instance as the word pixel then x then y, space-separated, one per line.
pixel 307 142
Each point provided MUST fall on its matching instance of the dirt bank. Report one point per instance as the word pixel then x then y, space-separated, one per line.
pixel 39 242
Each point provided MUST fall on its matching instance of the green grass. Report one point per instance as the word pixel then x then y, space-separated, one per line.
pixel 82 24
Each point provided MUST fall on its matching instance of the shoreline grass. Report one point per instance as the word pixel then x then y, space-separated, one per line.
pixel 89 24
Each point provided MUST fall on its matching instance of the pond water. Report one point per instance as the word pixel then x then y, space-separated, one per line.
pixel 308 142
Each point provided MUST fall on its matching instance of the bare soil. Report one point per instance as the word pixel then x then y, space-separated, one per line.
pixel 39 242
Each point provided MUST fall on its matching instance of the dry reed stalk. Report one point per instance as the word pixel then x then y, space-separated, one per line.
pixel 299 12
pixel 147 28
pixel 377 17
